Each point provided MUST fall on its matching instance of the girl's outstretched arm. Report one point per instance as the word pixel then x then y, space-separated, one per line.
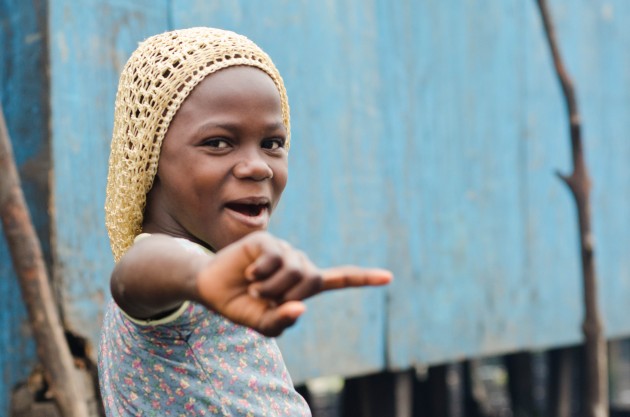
pixel 258 281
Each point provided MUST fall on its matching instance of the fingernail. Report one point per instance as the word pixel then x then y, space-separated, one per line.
pixel 253 292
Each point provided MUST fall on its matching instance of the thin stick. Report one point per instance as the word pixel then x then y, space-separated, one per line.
pixel 579 182
pixel 26 253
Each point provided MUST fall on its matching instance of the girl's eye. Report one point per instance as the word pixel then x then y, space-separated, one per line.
pixel 273 143
pixel 216 143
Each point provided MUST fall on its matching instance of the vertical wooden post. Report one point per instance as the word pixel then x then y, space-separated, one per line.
pixel 475 396
pixel 382 394
pixel 439 404
pixel 560 382
pixel 579 182
pixel 26 253
pixel 521 383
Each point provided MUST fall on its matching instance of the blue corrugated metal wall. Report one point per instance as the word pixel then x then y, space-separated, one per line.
pixel 426 136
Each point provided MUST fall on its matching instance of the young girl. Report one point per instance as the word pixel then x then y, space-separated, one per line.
pixel 199 287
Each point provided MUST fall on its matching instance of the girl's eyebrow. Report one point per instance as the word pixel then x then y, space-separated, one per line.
pixel 234 127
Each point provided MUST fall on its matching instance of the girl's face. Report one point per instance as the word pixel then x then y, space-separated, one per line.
pixel 223 165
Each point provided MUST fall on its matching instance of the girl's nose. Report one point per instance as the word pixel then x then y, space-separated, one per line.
pixel 254 167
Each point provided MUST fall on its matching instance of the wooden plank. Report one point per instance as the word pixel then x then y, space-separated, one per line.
pixel 89 43
pixel 522 384
pixel 333 206
pixel 23 90
pixel 563 373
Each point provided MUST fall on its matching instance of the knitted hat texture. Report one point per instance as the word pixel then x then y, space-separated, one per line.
pixel 156 79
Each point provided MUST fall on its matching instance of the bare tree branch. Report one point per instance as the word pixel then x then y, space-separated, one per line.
pixel 579 182
pixel 26 253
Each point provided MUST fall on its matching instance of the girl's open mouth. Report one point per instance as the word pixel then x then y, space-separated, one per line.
pixel 251 210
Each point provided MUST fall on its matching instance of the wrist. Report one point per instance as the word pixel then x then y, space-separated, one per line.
pixel 204 285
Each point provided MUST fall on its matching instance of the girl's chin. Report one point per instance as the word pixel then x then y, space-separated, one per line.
pixel 230 237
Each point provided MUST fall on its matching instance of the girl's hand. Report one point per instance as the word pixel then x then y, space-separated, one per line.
pixel 260 281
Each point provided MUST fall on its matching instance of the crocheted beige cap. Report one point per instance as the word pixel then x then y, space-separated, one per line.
pixel 158 77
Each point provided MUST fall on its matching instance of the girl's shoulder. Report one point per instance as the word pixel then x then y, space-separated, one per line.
pixel 182 242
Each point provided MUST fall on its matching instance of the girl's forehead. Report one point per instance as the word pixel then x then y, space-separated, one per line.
pixel 233 95
pixel 236 78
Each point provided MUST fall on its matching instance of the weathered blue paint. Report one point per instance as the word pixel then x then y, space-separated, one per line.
pixel 433 131
pixel 457 185
pixel 23 89
pixel 605 112
pixel 90 42
pixel 553 258
pixel 502 272
pixel 425 139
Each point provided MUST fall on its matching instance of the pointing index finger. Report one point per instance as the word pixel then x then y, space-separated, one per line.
pixel 354 276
